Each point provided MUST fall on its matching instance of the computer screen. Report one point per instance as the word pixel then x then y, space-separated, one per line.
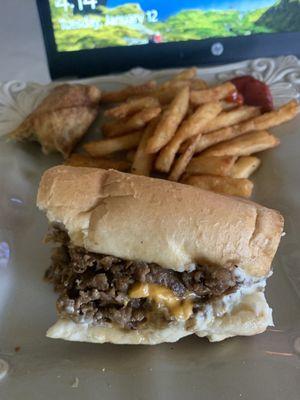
pixel 93 24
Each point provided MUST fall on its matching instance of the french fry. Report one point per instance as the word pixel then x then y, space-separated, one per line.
pixel 194 125
pixel 198 84
pixel 205 141
pixel 123 94
pixel 182 162
pixel 215 93
pixel 108 146
pixel 131 106
pixel 193 84
pixel 168 90
pixel 186 74
pixel 244 145
pixel 130 155
pixel 169 122
pixel 190 77
pixel 229 105
pixel 224 120
pixel 265 121
pixel 272 118
pixel 212 163
pixel 181 79
pixel 244 167
pixel 189 74
pixel 221 166
pixel 142 162
pixel 190 111
pixel 82 160
pixel 232 117
pixel 214 137
pixel 133 123
pixel 221 184
pixel 165 94
pixel 173 83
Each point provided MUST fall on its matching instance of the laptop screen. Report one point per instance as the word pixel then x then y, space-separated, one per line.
pixel 93 24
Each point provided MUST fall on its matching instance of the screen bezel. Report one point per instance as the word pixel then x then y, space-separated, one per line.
pixel 85 63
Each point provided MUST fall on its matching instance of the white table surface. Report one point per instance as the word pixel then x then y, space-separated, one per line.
pixel 22 52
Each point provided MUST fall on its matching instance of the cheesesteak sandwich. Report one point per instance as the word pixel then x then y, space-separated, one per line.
pixel 140 260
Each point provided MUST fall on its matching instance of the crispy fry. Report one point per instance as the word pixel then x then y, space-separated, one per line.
pixel 244 145
pixel 168 90
pixel 205 141
pixel 129 91
pixel 232 117
pixel 182 162
pixel 194 125
pixel 165 94
pixel 209 165
pixel 221 166
pixel 272 118
pixel 244 167
pixel 182 79
pixel 173 83
pixel 190 111
pixel 198 84
pixel 131 106
pixel 130 155
pixel 82 160
pixel 222 184
pixel 265 121
pixel 133 123
pixel 189 76
pixel 107 146
pixel 215 93
pixel 193 84
pixel 186 74
pixel 169 122
pixel 223 120
pixel 142 162
pixel 229 105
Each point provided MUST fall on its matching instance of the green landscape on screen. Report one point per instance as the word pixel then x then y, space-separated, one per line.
pixel 98 28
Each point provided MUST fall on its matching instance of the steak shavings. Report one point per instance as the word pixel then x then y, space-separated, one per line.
pixel 94 287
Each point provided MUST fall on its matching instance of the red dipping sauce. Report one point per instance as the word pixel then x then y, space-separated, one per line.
pixel 254 92
pixel 235 97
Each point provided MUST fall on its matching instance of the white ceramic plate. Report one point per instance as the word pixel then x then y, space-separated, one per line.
pixel 263 367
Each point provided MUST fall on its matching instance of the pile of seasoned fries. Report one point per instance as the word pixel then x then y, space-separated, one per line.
pixel 183 130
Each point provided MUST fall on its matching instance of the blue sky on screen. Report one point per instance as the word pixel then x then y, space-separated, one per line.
pixel 170 7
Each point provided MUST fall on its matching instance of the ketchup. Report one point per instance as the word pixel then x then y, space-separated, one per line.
pixel 254 92
pixel 235 97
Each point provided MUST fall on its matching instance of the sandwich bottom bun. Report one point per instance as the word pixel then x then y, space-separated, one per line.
pixel 239 313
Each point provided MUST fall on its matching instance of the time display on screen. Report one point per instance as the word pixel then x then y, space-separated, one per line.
pixel 81 4
pixel 88 5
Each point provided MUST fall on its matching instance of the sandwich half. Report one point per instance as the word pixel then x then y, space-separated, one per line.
pixel 140 260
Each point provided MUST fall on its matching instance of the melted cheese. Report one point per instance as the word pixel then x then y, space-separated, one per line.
pixel 181 309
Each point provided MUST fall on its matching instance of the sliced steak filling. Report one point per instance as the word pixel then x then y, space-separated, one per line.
pixel 95 288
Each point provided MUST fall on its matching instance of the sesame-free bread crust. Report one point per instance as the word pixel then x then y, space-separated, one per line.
pixel 153 220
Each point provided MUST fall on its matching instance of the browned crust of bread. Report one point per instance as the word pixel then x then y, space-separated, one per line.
pixel 153 220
